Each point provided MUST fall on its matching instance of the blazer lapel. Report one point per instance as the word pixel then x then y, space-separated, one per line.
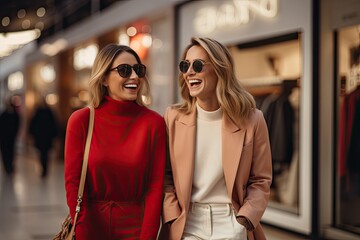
pixel 232 144
pixel 184 150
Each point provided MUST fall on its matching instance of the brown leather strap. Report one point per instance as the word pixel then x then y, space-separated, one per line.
pixel 86 153
pixel 84 167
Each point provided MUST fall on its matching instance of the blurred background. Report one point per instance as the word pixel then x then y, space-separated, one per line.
pixel 299 59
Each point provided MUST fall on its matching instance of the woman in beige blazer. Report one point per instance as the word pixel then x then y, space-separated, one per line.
pixel 219 170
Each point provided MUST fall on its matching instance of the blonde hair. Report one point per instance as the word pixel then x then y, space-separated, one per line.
pixel 103 62
pixel 234 100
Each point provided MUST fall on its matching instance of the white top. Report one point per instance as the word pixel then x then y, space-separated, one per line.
pixel 209 182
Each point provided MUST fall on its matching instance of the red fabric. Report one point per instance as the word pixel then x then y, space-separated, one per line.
pixel 124 183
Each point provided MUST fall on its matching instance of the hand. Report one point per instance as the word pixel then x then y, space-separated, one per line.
pixel 245 222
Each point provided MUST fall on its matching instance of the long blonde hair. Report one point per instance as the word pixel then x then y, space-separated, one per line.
pixel 103 62
pixel 234 100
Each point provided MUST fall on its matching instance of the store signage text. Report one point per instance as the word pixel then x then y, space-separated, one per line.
pixel 232 14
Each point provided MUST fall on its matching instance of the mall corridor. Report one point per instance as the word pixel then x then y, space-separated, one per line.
pixel 32 208
pixel 299 59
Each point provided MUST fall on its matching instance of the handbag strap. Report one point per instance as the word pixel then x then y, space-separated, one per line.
pixel 86 153
pixel 85 163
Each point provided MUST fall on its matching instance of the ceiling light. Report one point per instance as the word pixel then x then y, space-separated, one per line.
pixel 51 49
pixel 146 40
pixel 40 12
pixel 25 24
pixel 5 21
pixel 131 31
pixel 21 13
pixel 9 42
pixel 51 98
pixel 124 39
pixel 84 57
pixel 39 25
pixel 47 72
pixel 15 38
pixel 15 81
pixel 146 29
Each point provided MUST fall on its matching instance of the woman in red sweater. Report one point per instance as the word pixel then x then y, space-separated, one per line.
pixel 124 184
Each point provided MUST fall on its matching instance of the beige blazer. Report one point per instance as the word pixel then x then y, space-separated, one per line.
pixel 247 166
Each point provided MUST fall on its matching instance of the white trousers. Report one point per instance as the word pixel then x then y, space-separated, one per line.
pixel 213 222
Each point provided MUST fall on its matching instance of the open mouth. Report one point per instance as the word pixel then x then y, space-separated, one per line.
pixel 132 86
pixel 194 82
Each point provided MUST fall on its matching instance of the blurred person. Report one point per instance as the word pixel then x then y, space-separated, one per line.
pixel 218 182
pixel 125 175
pixel 44 130
pixel 9 128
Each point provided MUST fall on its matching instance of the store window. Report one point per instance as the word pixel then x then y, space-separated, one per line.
pixel 347 197
pixel 273 75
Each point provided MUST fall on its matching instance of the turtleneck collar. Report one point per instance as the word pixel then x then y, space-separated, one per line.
pixel 208 115
pixel 122 108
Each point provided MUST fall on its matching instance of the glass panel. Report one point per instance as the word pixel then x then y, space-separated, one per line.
pixel 348 159
pixel 271 69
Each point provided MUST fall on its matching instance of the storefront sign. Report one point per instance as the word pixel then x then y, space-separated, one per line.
pixel 232 14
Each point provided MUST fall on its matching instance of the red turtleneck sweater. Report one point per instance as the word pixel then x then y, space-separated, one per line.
pixel 124 182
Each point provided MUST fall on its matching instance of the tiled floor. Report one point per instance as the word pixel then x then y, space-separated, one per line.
pixel 32 208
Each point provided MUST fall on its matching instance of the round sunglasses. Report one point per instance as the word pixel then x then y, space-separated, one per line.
pixel 197 65
pixel 125 70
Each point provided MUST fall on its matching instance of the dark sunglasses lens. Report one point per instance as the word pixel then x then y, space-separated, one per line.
pixel 198 66
pixel 140 70
pixel 184 66
pixel 124 70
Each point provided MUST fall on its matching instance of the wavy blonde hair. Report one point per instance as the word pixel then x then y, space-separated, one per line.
pixel 234 100
pixel 103 62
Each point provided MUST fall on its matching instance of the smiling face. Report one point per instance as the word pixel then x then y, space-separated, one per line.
pixel 119 88
pixel 201 85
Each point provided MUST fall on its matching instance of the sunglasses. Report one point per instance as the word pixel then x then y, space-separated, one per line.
pixel 197 65
pixel 125 70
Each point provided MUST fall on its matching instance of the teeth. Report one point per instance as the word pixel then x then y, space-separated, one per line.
pixel 194 81
pixel 131 85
